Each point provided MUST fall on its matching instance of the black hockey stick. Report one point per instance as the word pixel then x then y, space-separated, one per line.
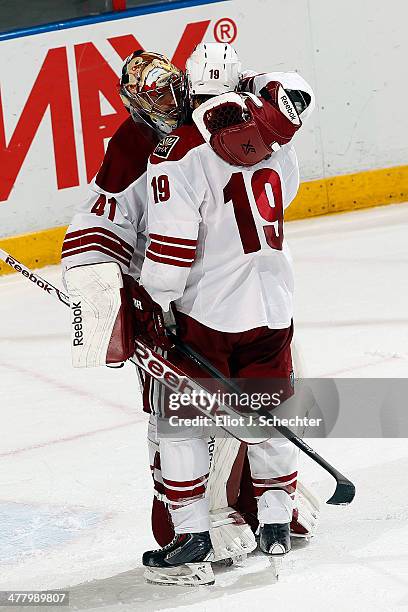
pixel 345 489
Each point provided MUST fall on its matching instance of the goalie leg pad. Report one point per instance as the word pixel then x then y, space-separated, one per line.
pixel 231 537
pixel 305 514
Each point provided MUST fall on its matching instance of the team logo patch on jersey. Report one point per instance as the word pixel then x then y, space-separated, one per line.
pixel 165 146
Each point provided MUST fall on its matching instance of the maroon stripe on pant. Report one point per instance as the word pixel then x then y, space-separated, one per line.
pixel 275 479
pixel 185 496
pixel 185 483
pixel 289 489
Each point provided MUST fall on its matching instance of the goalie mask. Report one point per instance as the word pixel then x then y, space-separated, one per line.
pixel 212 69
pixel 152 88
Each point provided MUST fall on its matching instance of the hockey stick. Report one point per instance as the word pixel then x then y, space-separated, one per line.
pixel 345 490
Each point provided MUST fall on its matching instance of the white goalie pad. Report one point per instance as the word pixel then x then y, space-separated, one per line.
pixel 231 537
pixel 96 300
pixel 223 456
pixel 307 513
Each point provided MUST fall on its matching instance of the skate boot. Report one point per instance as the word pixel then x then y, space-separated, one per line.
pixel 185 561
pixel 274 540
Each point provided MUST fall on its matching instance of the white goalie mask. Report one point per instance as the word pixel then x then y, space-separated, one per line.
pixel 212 69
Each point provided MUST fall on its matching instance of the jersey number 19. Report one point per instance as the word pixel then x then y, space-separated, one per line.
pixel 267 192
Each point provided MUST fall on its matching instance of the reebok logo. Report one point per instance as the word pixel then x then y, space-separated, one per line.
pixel 288 109
pixel 211 449
pixel 78 334
pixel 171 376
pixel 32 277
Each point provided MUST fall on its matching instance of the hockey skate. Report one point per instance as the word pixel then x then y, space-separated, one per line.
pixel 183 562
pixel 274 540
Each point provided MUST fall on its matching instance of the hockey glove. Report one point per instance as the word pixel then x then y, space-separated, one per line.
pixel 149 319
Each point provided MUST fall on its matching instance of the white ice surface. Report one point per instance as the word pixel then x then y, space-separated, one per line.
pixel 75 488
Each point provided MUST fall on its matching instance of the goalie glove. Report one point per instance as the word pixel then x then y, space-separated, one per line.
pixel 243 129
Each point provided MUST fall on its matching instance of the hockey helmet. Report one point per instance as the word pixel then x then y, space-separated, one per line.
pixel 212 69
pixel 152 88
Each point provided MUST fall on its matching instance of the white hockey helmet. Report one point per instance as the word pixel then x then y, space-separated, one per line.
pixel 212 69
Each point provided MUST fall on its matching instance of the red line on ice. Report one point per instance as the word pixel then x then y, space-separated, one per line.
pixel 67 439
pixel 65 387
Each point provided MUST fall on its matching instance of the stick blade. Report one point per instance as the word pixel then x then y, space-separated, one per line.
pixel 344 493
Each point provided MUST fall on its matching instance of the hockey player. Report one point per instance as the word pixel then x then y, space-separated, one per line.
pixel 217 252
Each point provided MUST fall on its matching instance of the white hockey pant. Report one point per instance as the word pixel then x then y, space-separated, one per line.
pixel 184 473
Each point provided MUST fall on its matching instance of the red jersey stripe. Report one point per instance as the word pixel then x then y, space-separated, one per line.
pixel 169 262
pixel 173 251
pixel 96 239
pixel 99 230
pixel 100 249
pixel 173 240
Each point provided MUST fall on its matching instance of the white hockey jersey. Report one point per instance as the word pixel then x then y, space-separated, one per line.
pixel 216 244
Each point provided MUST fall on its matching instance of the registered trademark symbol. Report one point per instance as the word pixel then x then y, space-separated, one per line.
pixel 225 30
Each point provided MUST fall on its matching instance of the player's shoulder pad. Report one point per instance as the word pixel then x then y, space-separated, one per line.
pixel 126 156
pixel 176 145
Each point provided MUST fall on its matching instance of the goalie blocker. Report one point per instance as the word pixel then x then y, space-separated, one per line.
pixel 104 323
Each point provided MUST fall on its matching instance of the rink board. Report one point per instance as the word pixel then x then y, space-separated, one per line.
pixel 59 104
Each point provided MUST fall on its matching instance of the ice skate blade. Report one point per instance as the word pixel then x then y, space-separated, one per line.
pixel 189 574
pixel 276 562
